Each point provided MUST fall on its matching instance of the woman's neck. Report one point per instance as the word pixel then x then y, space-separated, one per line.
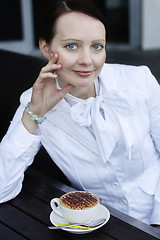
pixel 84 92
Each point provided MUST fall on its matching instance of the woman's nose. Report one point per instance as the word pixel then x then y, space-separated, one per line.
pixel 85 57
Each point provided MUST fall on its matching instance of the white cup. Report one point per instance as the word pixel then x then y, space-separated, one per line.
pixel 74 215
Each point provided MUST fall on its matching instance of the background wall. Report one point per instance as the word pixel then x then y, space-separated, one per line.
pixel 150 24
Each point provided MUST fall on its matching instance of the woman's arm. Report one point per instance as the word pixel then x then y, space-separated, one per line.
pixel 20 144
pixel 17 151
pixel 45 94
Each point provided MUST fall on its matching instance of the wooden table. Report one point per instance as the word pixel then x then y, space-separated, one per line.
pixel 27 216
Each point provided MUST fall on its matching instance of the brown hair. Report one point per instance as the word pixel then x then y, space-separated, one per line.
pixel 59 7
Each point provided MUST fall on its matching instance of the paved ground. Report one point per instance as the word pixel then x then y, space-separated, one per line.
pixel 149 58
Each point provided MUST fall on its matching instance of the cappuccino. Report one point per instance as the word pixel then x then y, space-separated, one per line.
pixel 79 200
pixel 76 207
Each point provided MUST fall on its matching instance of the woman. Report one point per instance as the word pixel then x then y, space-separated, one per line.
pixel 99 122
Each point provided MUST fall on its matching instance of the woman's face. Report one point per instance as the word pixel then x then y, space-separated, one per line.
pixel 80 44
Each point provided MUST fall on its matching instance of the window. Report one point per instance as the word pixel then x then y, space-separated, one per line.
pixel 19 23
pixel 10 21
pixel 16 21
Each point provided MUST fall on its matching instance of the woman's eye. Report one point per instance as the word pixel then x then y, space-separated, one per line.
pixel 97 47
pixel 71 46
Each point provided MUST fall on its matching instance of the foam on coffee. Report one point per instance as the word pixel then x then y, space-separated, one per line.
pixel 79 200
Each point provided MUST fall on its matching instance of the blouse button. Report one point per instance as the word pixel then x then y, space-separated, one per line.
pixel 123 202
pixel 115 185
pixel 108 166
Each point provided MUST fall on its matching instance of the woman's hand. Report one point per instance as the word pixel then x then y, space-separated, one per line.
pixel 45 94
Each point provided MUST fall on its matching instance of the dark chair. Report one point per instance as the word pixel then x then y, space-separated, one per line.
pixel 18 73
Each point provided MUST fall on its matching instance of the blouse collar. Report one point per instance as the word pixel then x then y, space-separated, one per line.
pixel 99 113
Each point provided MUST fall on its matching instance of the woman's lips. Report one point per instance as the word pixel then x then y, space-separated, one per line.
pixel 83 73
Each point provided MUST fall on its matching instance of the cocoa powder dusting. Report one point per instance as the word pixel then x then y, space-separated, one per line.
pixel 79 200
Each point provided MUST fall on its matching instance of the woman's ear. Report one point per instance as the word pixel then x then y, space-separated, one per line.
pixel 44 47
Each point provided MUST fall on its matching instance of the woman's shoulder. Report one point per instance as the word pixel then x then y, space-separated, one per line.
pixel 125 70
pixel 123 76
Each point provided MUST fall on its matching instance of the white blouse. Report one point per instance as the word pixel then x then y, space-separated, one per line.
pixel 108 145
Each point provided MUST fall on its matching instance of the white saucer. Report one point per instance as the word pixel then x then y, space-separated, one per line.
pixel 103 213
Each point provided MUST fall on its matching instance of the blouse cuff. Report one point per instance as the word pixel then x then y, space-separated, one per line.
pixel 21 140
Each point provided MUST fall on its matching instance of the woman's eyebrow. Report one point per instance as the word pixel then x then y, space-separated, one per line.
pixel 99 40
pixel 76 40
pixel 71 39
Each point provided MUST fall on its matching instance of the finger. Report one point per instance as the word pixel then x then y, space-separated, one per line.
pixel 51 68
pixel 53 58
pixel 46 76
pixel 65 90
pixel 53 61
